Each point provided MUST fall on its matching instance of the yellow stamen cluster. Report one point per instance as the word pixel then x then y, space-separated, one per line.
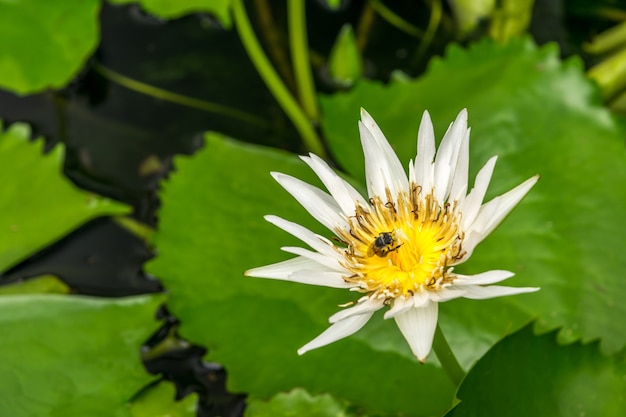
pixel 398 249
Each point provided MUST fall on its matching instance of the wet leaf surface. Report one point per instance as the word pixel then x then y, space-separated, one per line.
pixel 298 403
pixel 31 36
pixel 158 401
pixel 72 355
pixel 550 380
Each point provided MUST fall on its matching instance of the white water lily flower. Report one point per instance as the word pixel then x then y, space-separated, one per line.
pixel 398 245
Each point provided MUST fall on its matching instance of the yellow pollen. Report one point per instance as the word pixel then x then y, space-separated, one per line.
pixel 398 249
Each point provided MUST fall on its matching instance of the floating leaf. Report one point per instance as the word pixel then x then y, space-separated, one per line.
pixel 298 403
pixel 72 356
pixel 47 284
pixel 171 9
pixel 43 44
pixel 33 185
pixel 158 401
pixel 544 380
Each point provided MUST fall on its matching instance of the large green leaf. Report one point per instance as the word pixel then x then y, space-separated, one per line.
pixel 46 284
pixel 44 44
pixel 72 356
pixel 540 115
pixel 37 204
pixel 298 403
pixel 158 401
pixel 211 230
pixel 544 380
pixel 171 9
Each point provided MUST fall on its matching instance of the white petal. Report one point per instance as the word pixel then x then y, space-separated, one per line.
pixel 319 243
pixel 344 194
pixel 382 167
pixel 282 270
pixel 412 177
pixel 332 279
pixel 485 278
pixel 330 262
pixel 477 292
pixel 425 153
pixel 319 204
pixel 442 179
pixel 418 328
pixel 458 188
pixel 447 155
pixel 339 330
pixel 363 307
pixel 446 294
pixel 302 270
pixel 402 304
pixel 474 199
pixel 493 212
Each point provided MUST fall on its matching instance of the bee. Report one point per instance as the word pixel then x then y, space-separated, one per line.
pixel 383 244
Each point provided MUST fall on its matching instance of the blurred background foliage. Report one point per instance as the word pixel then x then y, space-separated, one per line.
pixel 97 98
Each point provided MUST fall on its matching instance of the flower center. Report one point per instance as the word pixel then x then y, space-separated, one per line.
pixel 397 249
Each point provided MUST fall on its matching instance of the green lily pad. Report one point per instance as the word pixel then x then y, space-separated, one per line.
pixel 37 204
pixel 298 403
pixel 172 9
pixel 47 284
pixel 72 356
pixel 545 379
pixel 211 230
pixel 43 44
pixel 540 115
pixel 158 401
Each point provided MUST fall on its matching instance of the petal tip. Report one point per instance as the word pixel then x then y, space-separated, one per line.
pixel 461 119
pixel 426 117
pixel 367 120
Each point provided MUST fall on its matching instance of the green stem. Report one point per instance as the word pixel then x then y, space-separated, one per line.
pixel 431 29
pixel 395 20
pixel 273 81
pixel 299 47
pixel 183 100
pixel 607 40
pixel 448 361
